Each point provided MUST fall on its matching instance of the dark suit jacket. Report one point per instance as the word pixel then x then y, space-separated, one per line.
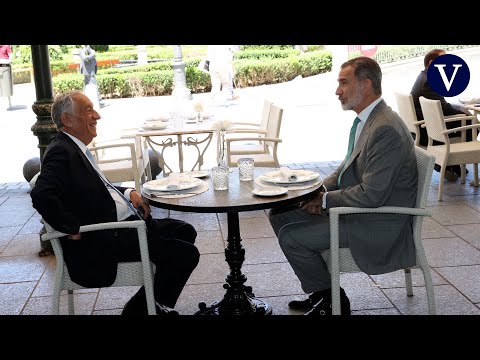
pixel 421 87
pixel 69 193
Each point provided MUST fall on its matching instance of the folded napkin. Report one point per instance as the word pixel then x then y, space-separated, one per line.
pixel 288 174
pixel 173 182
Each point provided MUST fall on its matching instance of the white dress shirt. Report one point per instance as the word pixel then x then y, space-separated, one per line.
pixel 123 211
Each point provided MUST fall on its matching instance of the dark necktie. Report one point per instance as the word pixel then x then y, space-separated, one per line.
pixel 351 143
pixel 108 184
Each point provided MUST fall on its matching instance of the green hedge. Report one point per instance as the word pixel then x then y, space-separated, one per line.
pixel 154 80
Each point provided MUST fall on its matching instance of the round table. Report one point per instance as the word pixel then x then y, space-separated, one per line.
pixel 239 298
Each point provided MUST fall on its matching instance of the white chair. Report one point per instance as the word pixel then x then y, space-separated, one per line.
pixel 450 153
pixel 266 153
pixel 406 110
pixel 341 260
pixel 130 163
pixel 128 273
pixel 251 147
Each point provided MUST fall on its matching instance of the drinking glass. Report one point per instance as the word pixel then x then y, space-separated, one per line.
pixel 245 169
pixel 220 176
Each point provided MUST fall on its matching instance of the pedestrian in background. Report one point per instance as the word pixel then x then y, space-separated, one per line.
pixel 222 71
pixel 88 67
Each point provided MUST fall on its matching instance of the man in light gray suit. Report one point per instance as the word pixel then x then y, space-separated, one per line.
pixel 380 171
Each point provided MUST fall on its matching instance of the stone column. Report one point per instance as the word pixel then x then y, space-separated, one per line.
pixel 44 128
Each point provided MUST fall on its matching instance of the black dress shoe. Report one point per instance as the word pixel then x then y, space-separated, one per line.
pixel 308 303
pixel 324 305
pixel 136 309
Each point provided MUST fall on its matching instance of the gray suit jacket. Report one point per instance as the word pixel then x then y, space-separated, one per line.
pixel 382 171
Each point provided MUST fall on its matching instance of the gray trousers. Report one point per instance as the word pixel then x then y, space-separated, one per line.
pixel 302 238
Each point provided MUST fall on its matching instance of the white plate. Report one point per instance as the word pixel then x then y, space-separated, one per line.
pixel 277 178
pixel 164 118
pixel 183 183
pixel 154 126
pixel 196 173
pixel 270 191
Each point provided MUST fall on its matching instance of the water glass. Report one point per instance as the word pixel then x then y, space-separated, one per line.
pixel 220 176
pixel 245 169
pixel 177 120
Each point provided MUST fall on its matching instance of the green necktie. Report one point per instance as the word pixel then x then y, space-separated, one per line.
pixel 351 142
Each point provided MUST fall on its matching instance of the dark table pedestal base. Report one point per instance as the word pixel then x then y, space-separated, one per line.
pixel 243 303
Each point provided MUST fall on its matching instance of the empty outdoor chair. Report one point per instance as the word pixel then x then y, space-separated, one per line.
pixel 251 147
pixel 406 110
pixel 132 165
pixel 266 154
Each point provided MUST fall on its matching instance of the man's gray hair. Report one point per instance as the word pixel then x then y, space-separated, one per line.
pixel 63 103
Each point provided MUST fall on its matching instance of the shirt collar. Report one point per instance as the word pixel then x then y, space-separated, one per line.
pixel 80 144
pixel 365 113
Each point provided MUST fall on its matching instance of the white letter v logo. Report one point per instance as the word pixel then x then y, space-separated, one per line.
pixel 441 70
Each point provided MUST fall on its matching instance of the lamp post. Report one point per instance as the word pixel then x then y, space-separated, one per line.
pixel 44 128
pixel 180 89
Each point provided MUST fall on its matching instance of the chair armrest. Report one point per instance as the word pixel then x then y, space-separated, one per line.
pixel 253 138
pixel 246 130
pixel 100 147
pixel 380 210
pixel 459 117
pixel 235 123
pixel 419 122
pixel 134 224
pixel 130 146
pixel 461 128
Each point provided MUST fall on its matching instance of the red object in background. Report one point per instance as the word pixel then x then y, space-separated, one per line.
pixel 368 50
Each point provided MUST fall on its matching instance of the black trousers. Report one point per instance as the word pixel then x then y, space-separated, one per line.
pixel 172 250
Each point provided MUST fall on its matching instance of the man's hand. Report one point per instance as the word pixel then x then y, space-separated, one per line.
pixel 137 201
pixel 74 236
pixel 314 206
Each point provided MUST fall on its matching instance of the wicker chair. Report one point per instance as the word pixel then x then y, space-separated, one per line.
pixel 132 167
pixel 128 273
pixel 341 260
pixel 406 110
pixel 264 154
pixel 450 153
pixel 251 147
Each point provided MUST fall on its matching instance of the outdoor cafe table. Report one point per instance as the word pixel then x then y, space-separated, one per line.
pixel 239 299
pixel 199 136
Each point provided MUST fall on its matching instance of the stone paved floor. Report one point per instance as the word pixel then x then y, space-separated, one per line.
pixel 450 238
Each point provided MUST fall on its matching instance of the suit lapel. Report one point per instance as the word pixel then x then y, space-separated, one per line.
pixel 365 131
pixel 86 162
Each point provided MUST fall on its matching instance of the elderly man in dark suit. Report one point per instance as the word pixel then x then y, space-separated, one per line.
pixel 380 169
pixel 69 192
